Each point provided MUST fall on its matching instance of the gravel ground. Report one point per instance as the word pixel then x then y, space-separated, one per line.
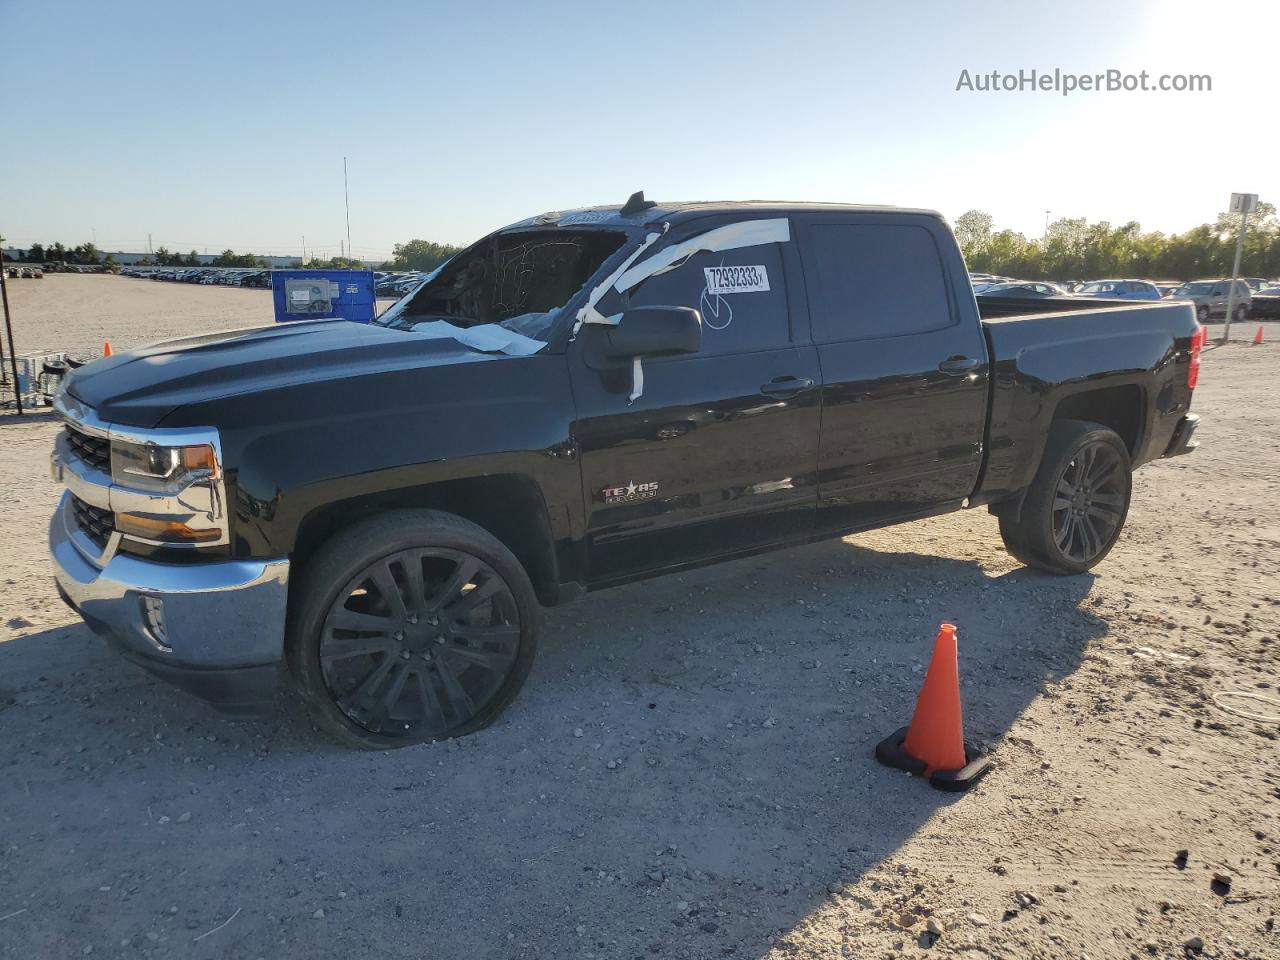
pixel 688 773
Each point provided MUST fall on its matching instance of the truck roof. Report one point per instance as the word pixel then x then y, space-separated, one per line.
pixel 647 211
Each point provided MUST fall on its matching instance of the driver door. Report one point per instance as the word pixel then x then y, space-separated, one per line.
pixel 718 455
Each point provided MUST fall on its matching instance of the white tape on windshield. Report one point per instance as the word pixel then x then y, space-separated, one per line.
pixel 588 313
pixel 485 337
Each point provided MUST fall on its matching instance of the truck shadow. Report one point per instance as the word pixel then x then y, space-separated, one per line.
pixel 9 417
pixel 688 772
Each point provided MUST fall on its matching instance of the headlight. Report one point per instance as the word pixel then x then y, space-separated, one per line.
pixel 148 466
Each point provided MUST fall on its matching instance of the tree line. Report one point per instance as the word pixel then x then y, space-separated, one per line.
pixel 163 257
pixel 421 255
pixel 84 253
pixel 1074 249
pixel 88 254
pixel 414 255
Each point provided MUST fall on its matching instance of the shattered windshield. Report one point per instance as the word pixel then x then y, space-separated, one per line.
pixel 518 280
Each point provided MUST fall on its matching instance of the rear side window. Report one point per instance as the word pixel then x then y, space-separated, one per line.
pixel 874 280
pixel 741 295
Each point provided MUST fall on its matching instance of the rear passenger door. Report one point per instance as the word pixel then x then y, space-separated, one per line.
pixel 718 455
pixel 1219 298
pixel 904 367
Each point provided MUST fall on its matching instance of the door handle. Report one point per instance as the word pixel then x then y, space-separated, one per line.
pixel 958 366
pixel 786 386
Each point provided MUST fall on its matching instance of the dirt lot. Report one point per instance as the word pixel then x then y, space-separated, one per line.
pixel 688 773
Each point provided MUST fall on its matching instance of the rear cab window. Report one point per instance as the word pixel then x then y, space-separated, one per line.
pixel 872 280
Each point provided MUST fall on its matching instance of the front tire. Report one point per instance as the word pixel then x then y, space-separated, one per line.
pixel 410 627
pixel 1202 315
pixel 1076 506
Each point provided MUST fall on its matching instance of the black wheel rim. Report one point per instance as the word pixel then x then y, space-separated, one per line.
pixel 419 642
pixel 1088 504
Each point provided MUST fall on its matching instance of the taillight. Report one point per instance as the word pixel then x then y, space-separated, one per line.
pixel 1198 340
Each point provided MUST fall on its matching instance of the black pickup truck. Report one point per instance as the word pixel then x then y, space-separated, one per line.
pixel 579 400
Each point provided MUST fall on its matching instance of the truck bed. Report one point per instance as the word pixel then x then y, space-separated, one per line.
pixel 1089 359
pixel 994 308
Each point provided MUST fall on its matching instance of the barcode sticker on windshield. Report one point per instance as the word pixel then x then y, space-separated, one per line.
pixel 722 280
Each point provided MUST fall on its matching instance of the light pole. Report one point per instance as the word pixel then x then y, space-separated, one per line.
pixel 346 202
pixel 1245 203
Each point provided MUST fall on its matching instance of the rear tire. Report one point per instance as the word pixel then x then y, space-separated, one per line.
pixel 1242 314
pixel 411 627
pixel 1077 503
pixel 1202 315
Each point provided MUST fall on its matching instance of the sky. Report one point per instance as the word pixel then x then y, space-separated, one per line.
pixel 225 125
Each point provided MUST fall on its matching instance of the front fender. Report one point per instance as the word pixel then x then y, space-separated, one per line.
pixel 301 448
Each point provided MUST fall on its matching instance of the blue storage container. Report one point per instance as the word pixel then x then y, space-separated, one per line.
pixel 317 294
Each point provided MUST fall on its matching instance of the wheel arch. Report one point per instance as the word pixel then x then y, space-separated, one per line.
pixel 1122 408
pixel 509 506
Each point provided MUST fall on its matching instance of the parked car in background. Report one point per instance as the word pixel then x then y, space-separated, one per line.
pixel 1120 290
pixel 980 285
pixel 1210 298
pixel 386 286
pixel 1266 303
pixel 1028 288
pixel 1255 283
pixel 407 284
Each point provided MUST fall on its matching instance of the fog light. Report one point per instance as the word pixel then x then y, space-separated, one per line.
pixel 153 619
pixel 164 530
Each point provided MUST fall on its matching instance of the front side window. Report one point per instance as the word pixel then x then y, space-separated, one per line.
pixel 741 294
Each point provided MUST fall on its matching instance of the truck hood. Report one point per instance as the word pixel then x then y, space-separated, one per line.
pixel 141 387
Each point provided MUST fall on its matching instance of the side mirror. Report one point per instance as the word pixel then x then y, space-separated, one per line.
pixel 645 332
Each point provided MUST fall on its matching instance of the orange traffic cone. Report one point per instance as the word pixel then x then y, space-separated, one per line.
pixel 933 746
pixel 1257 337
pixel 936 734
pixel 106 348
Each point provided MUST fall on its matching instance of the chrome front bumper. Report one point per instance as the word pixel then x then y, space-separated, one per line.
pixel 215 629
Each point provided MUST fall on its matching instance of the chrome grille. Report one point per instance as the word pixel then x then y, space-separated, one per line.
pixel 95 451
pixel 97 524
